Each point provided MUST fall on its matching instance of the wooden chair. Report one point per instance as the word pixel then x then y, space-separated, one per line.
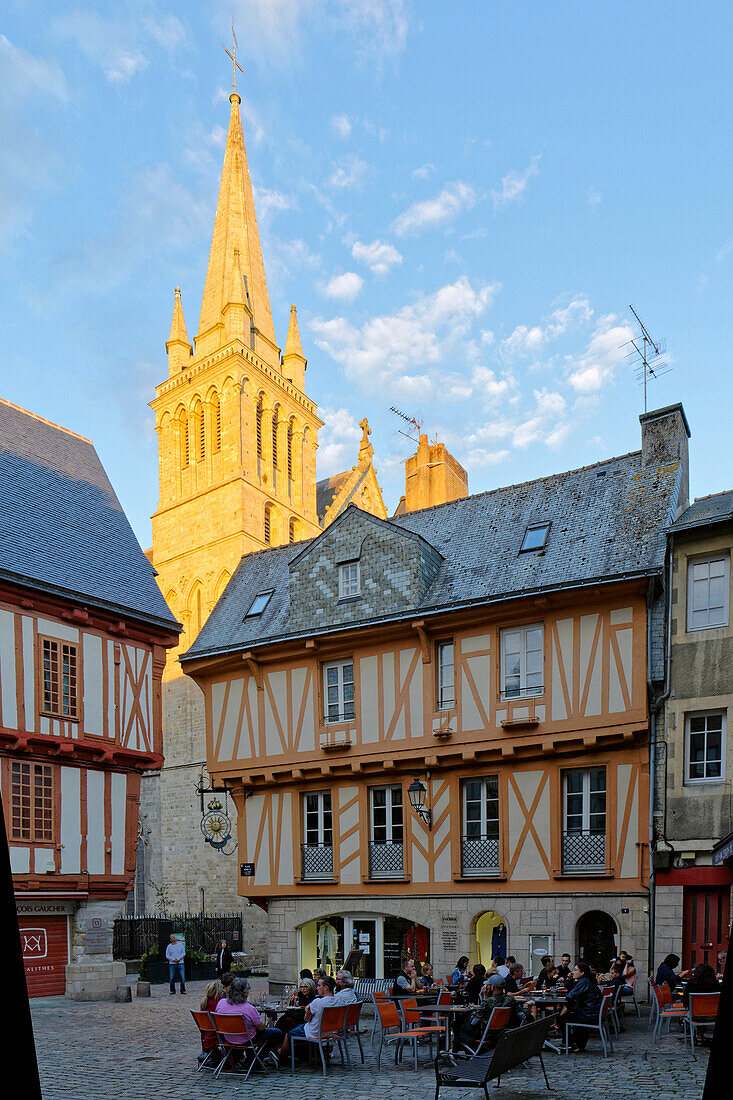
pixel 393 1031
pixel 207 1031
pixel 227 1026
pixel 702 1010
pixel 331 1027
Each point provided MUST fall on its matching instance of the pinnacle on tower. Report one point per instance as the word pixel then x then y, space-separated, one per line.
pixel 177 345
pixel 235 232
pixel 294 362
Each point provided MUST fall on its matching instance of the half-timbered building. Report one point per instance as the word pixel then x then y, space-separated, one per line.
pixel 83 637
pixel 486 660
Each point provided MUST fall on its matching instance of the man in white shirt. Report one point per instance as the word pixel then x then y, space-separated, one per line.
pixel 175 953
pixel 344 994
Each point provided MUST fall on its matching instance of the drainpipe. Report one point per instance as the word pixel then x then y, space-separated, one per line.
pixel 655 705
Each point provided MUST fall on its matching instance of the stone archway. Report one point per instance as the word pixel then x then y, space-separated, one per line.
pixel 596 932
pixel 490 938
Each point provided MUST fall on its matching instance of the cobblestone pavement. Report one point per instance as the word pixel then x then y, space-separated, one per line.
pixel 148 1049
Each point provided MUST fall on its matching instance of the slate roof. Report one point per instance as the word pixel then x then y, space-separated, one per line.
pixel 62 529
pixel 326 490
pixel 609 522
pixel 706 511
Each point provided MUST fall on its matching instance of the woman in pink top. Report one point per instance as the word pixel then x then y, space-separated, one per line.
pixel 235 1004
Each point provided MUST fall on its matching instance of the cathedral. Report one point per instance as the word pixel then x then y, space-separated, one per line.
pixel 237 440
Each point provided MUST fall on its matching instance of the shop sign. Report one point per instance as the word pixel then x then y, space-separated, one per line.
pixel 42 908
pixel 246 870
pixel 449 929
pixel 97 939
pixel 723 852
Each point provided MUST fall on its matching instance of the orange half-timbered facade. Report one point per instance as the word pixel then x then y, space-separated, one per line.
pixel 493 654
pixel 83 639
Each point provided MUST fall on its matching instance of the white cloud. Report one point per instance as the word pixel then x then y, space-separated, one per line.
pixel 120 47
pixel 487 385
pixel 393 350
pixel 377 256
pixel 349 172
pixel 346 286
pixel 452 200
pixel 479 456
pixel 25 75
pixel 342 125
pixel 423 172
pixel 594 199
pixel 595 368
pixel 270 202
pixel 338 441
pixel 528 340
pixel 514 185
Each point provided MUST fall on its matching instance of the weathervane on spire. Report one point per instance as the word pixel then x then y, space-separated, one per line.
pixel 233 54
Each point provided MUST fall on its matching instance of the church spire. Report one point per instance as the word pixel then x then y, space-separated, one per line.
pixel 235 231
pixel 294 362
pixel 177 345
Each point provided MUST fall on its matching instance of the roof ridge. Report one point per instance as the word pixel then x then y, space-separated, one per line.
pixel 514 485
pixel 45 420
pixel 711 496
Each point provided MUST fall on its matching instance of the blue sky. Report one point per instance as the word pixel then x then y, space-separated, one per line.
pixel 461 198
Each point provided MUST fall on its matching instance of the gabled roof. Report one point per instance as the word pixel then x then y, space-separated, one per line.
pixel 608 520
pixel 63 529
pixel 706 511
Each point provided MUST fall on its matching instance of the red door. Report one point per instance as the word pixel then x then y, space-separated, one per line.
pixel 705 925
pixel 45 954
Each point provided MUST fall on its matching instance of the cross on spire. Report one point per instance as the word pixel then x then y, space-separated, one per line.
pixel 233 54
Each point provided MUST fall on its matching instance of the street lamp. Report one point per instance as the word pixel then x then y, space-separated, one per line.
pixel 417 793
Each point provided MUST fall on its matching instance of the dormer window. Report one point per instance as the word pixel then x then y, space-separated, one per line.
pixel 349 580
pixel 535 537
pixel 259 603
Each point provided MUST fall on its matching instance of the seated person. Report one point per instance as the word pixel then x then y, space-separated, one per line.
pixel 703 980
pixel 405 984
pixel 459 977
pixel 542 977
pixel 475 983
pixel 306 974
pixel 468 1031
pixel 234 1003
pixel 296 1014
pixel 582 1004
pixel 427 981
pixel 313 1013
pixel 565 970
pixel 344 994
pixel 516 982
pixel 212 995
pixel 500 967
pixel 665 971
pixel 319 973
pixel 722 957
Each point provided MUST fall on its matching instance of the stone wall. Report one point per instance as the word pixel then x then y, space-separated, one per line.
pixel 92 974
pixel 668 922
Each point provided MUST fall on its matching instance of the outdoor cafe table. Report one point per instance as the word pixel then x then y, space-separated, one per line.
pixel 544 1000
pixel 448 1011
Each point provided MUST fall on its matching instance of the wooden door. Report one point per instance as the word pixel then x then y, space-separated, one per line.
pixel 705 925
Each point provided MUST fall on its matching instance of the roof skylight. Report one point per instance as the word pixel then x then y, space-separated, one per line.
pixel 259 603
pixel 535 537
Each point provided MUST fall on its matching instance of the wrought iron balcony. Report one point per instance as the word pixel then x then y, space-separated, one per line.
pixel 479 856
pixel 386 861
pixel 317 862
pixel 584 852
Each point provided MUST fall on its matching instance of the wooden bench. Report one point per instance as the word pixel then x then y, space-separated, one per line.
pixel 512 1050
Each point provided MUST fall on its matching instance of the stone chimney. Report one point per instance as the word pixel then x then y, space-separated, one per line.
pixel 432 476
pixel 664 436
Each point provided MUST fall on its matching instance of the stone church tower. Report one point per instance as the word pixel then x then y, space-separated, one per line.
pixel 237 441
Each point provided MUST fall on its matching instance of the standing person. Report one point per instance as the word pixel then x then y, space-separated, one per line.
pixel 175 953
pixel 223 959
pixel 582 1005
pixel 405 984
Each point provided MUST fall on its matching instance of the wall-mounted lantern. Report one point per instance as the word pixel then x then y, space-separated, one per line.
pixel 417 793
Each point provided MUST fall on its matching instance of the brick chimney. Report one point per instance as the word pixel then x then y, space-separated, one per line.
pixel 664 436
pixel 432 476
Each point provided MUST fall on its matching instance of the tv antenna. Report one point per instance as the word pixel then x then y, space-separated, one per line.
pixel 646 355
pixel 413 421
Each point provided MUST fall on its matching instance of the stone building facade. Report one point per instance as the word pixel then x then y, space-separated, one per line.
pixel 693 856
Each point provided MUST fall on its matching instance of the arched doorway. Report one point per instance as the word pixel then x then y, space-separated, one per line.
pixel 597 939
pixel 491 937
pixel 380 943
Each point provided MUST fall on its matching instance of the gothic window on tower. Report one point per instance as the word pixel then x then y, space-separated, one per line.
pixel 216 423
pixel 183 437
pixel 292 530
pixel 200 431
pixel 275 419
pixel 290 458
pixel 268 524
pixel 258 417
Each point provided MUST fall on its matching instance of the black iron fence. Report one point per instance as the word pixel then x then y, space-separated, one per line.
pixel 479 855
pixel 135 935
pixel 584 851
pixel 317 861
pixel 386 861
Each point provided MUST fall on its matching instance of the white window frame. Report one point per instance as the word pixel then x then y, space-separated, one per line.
pixel 342 684
pixel 484 820
pixel 585 793
pixel 321 811
pixel 524 692
pixel 719 612
pixel 722 714
pixel 389 813
pixel 349 580
pixel 446 702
